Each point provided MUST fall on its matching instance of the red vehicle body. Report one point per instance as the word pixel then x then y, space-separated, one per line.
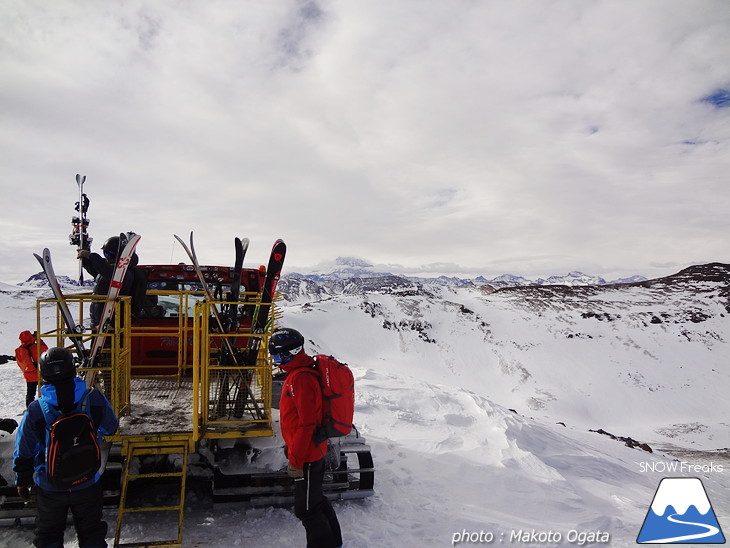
pixel 170 288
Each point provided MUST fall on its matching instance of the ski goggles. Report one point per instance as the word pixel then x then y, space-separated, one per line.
pixel 282 358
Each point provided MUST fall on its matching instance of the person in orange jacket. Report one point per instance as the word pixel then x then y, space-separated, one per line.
pixel 300 413
pixel 26 356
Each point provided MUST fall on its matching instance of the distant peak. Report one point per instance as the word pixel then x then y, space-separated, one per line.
pixel 353 261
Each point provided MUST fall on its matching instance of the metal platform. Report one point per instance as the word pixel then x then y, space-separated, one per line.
pixel 158 406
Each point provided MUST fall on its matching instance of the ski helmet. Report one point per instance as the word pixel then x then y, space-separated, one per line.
pixel 111 248
pixel 284 344
pixel 57 364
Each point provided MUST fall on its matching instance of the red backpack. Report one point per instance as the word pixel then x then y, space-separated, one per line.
pixel 338 397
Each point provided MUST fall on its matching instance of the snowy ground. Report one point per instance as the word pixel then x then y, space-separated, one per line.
pixel 466 438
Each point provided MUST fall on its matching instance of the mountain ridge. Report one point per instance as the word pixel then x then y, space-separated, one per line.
pixel 352 267
pixel 355 276
pixel 296 287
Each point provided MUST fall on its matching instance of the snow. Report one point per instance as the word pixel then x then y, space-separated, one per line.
pixel 478 409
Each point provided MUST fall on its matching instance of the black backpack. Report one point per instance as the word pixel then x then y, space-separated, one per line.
pixel 73 455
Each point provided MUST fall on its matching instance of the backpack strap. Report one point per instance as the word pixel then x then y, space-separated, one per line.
pixel 84 405
pixel 30 355
pixel 51 413
pixel 311 370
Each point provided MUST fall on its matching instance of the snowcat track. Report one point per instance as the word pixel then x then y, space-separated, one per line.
pixel 347 482
pixel 15 511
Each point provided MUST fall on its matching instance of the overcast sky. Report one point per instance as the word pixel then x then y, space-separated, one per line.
pixel 470 137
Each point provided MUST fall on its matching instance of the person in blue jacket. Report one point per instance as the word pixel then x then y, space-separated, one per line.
pixel 62 390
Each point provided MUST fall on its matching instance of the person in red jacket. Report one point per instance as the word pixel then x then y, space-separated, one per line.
pixel 26 356
pixel 300 413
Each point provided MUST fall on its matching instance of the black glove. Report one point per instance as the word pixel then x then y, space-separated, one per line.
pixel 9 425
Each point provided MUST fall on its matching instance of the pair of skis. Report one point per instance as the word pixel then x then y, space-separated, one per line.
pixel 79 235
pixel 229 352
pixel 261 316
pixel 240 252
pixel 127 242
pixel 229 322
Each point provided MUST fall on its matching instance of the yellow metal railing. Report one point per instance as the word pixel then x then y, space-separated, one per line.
pixel 231 372
pixel 234 378
pixel 112 366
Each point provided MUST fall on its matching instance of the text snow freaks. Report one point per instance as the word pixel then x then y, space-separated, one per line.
pixel 521 536
pixel 677 467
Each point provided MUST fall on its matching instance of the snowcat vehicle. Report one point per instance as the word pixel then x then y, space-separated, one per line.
pixel 197 396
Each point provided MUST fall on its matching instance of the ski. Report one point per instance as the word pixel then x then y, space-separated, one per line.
pixel 235 293
pixel 129 241
pixel 79 235
pixel 273 273
pixel 240 380
pixel 221 398
pixel 73 330
pixel 204 283
pixel 261 319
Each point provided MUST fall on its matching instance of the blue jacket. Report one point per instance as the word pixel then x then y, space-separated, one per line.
pixel 30 441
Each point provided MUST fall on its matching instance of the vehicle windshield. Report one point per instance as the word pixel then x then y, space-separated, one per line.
pixel 166 296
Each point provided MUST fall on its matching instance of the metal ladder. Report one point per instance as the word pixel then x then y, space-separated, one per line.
pixel 153 446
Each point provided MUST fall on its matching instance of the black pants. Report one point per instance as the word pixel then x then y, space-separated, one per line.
pixel 86 507
pixel 31 392
pixel 314 510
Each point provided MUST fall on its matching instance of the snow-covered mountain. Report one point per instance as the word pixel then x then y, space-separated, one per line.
pixel 348 268
pixel 344 271
pixel 343 268
pixel 615 341
pixel 40 280
pixel 485 406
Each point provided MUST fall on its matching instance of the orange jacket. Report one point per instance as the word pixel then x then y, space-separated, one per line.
pixel 26 356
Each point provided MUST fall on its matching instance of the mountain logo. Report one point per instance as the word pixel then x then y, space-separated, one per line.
pixel 680 513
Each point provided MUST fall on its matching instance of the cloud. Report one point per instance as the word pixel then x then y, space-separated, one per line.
pixel 542 133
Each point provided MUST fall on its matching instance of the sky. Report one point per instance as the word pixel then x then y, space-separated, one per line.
pixel 435 137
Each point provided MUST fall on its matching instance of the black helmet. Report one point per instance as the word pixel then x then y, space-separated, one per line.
pixel 111 248
pixel 284 344
pixel 57 364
